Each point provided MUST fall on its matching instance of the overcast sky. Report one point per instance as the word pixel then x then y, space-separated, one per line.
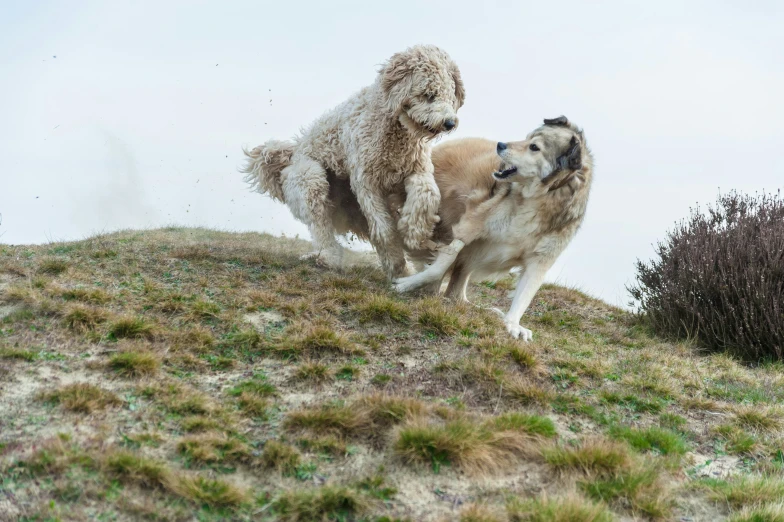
pixel 133 114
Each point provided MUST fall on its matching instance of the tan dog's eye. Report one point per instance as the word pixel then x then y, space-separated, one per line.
pixel 431 98
pixel 533 147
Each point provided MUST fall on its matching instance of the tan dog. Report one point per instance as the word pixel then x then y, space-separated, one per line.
pixel 336 176
pixel 525 202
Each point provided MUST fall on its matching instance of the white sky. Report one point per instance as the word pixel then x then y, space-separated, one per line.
pixel 140 118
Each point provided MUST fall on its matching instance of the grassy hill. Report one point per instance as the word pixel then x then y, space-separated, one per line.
pixel 185 374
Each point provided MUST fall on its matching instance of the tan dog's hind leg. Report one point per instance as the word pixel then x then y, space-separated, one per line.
pixel 456 290
pixel 419 214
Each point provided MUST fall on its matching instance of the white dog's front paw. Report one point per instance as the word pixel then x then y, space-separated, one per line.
pixel 518 332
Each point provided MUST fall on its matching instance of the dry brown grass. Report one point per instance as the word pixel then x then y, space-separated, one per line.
pixel 280 457
pixel 212 448
pixel 326 503
pixel 368 418
pixel 465 443
pixel 81 397
pixel 210 492
pixel 134 362
pixel 568 508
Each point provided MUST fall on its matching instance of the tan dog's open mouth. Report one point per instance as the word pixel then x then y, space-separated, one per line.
pixel 505 172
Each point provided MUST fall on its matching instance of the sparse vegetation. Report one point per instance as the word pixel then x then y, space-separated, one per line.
pixel 196 374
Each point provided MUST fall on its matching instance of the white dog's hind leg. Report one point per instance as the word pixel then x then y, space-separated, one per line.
pixel 306 191
pixel 529 283
pixel 435 272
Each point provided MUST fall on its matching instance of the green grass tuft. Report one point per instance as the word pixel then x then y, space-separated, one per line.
pixel 595 456
pixel 209 492
pixel 379 308
pixel 571 508
pixel 17 353
pixel 745 491
pixel 766 513
pixel 532 424
pixel 462 442
pixel 52 266
pixel 312 372
pixel 132 363
pixel 135 469
pixel 258 385
pixel 656 439
pixel 131 327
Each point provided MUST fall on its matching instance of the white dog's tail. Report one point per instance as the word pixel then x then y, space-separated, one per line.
pixel 265 164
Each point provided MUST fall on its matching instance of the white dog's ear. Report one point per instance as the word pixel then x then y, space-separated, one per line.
pixel 459 87
pixel 397 79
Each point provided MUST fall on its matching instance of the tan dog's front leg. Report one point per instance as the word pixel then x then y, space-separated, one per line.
pixel 420 212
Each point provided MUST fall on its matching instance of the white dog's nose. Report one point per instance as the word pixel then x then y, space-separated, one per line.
pixel 449 124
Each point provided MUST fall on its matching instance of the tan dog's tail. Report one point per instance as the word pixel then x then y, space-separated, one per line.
pixel 265 164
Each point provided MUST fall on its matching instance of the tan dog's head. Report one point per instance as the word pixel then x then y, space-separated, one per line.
pixel 556 147
pixel 423 89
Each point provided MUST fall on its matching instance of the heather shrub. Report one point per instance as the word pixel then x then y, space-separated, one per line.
pixel 719 278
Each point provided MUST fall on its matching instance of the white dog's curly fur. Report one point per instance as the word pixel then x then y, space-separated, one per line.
pixel 378 141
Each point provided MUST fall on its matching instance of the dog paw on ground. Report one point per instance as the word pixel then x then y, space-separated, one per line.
pixel 518 332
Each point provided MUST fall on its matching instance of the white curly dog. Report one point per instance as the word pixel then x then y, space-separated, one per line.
pixel 378 141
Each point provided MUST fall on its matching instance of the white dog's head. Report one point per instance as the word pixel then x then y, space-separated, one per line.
pixel 423 89
pixel 556 147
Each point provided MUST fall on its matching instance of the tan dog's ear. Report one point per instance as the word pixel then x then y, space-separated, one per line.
pixel 572 159
pixel 397 80
pixel 459 87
